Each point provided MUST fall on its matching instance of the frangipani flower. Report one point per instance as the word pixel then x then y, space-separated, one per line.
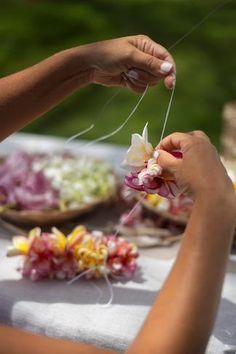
pixel 76 237
pixel 145 173
pixel 122 256
pixel 91 253
pixel 20 246
pixel 139 152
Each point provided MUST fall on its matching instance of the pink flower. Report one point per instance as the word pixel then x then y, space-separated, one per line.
pixel 22 187
pixel 122 256
pixel 148 184
pixel 47 257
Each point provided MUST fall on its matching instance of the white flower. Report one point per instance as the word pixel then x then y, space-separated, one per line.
pixel 139 152
pixel 143 176
pixel 153 168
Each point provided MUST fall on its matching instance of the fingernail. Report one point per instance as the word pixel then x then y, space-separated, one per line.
pixel 166 67
pixel 132 74
pixel 156 154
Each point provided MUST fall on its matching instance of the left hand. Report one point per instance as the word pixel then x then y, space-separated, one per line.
pixel 133 62
pixel 200 172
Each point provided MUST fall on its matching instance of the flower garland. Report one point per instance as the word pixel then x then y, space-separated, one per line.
pixel 57 256
pixel 145 174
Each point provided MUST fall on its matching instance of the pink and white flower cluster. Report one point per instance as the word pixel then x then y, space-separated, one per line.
pixel 23 188
pixel 145 174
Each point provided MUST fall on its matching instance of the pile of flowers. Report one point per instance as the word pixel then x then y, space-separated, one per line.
pixel 57 256
pixel 145 174
pixel 40 182
pixel 180 206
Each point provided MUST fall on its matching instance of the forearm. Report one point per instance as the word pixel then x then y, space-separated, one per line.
pixel 26 95
pixel 183 315
pixel 14 342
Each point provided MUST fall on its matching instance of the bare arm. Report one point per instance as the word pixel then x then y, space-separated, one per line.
pixel 14 341
pixel 28 94
pixel 182 317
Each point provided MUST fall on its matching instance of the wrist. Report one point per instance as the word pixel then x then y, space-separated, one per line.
pixel 211 226
pixel 77 63
pixel 219 204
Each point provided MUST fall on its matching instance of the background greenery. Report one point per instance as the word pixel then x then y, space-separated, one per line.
pixel 33 30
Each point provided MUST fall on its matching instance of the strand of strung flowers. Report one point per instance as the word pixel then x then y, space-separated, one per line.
pixel 56 256
pixel 145 175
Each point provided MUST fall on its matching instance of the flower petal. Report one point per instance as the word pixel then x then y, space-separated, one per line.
pixel 140 150
pixel 21 244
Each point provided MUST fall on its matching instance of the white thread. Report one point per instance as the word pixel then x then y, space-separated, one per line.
pixel 168 112
pixel 100 293
pixel 216 8
pixel 130 213
pixel 111 292
pixel 80 275
pixel 104 137
pixel 109 285
pixel 108 102
pixel 73 137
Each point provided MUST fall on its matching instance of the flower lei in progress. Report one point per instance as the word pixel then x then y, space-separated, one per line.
pixel 145 174
pixel 56 256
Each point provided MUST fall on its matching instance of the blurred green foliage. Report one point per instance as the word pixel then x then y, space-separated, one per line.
pixel 32 30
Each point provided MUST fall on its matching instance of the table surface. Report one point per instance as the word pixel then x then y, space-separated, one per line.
pixel 112 154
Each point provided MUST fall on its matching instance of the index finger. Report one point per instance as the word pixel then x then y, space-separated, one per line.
pixel 148 46
pixel 162 53
pixel 175 141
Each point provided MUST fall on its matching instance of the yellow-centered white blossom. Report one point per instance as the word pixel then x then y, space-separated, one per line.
pixel 139 152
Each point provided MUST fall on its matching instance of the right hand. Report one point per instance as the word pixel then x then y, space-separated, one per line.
pixel 200 171
pixel 133 62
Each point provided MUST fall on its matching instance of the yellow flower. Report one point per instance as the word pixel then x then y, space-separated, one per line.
pixel 90 254
pixel 154 199
pixel 61 239
pixel 76 236
pixel 35 232
pixel 20 246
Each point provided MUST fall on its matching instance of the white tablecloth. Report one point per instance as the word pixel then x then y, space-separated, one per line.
pixel 75 311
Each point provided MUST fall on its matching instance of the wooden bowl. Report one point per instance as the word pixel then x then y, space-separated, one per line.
pixel 48 217
pixel 56 216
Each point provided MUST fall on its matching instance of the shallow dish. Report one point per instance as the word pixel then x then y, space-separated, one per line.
pixel 47 217
pixel 50 189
